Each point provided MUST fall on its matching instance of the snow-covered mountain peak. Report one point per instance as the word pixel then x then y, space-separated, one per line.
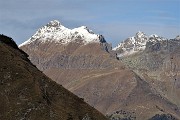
pixel 154 36
pixel 54 23
pixel 54 31
pixel 140 34
pixel 84 28
pixel 177 37
pixel 136 43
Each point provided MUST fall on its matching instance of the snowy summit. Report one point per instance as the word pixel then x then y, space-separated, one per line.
pixel 55 32
pixel 136 43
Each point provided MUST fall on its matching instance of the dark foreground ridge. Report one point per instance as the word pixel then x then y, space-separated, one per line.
pixel 27 94
pixel 8 41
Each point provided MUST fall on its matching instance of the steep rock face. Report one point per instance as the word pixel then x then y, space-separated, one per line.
pixel 26 93
pixel 159 65
pixel 91 72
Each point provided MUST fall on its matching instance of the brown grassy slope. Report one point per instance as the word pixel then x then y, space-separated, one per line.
pixel 114 90
pixel 26 93
pixel 90 72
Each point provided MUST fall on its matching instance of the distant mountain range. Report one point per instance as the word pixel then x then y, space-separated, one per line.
pixel 118 81
pixel 138 43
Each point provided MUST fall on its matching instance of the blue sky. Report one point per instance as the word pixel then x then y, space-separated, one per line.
pixel 115 19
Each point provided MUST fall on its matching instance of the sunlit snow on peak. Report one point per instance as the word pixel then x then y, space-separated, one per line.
pixel 54 31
